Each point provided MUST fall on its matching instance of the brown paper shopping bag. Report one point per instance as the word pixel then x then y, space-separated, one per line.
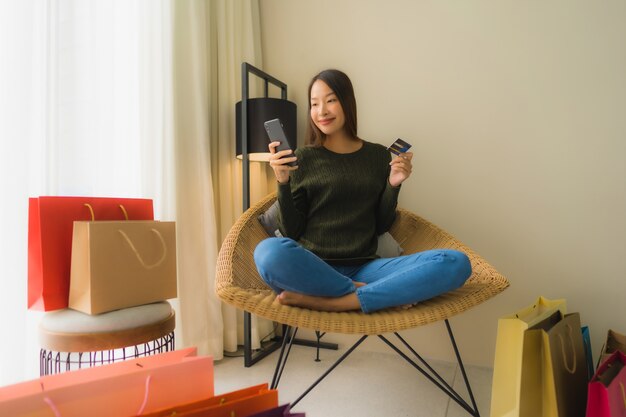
pixel 558 387
pixel 508 362
pixel 118 264
pixel 614 342
pixel 565 372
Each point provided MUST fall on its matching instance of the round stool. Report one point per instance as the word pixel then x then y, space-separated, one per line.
pixel 73 340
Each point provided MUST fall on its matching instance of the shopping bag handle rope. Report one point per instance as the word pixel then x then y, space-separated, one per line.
pixel 53 407
pixel 138 255
pixel 50 403
pixel 572 369
pixel 621 385
pixel 93 216
pixel 533 308
pixel 145 396
pixel 123 211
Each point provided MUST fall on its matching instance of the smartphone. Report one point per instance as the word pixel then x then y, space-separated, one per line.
pixel 275 132
pixel 399 146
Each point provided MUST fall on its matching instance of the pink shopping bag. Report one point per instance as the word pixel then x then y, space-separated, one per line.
pixel 122 389
pixel 606 394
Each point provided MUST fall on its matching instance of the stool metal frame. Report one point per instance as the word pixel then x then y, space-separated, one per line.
pixel 51 362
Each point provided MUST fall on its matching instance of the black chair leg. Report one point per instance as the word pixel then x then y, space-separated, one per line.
pixel 458 358
pixel 432 374
pixel 430 368
pixel 289 335
pixel 325 374
pixel 425 369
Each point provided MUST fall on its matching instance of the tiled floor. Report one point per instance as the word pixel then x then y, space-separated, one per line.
pixel 367 384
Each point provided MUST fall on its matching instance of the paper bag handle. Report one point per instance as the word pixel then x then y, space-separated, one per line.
pixel 138 255
pixel 50 403
pixel 53 407
pixel 93 216
pixel 123 211
pixel 145 396
pixel 572 369
pixel 222 402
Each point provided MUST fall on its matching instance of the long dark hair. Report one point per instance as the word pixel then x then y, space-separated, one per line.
pixel 342 87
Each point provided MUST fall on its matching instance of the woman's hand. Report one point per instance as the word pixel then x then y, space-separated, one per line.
pixel 400 168
pixel 279 160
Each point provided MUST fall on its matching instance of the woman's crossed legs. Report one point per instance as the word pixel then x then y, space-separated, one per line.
pixel 301 278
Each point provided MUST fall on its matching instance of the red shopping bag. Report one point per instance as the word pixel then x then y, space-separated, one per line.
pixel 606 394
pixel 50 226
pixel 264 399
pixel 126 388
pixel 228 398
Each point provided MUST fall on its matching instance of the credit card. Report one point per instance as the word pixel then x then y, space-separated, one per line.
pixel 399 146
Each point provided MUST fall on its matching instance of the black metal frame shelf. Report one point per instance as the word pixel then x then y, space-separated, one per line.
pixel 251 357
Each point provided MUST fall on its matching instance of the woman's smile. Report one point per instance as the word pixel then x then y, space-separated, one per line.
pixel 325 122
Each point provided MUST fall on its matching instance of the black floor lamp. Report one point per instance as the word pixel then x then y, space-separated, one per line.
pixel 251 145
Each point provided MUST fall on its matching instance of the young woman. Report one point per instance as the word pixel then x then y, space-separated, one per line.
pixel 333 206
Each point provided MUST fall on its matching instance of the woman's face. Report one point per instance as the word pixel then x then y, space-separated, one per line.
pixel 326 111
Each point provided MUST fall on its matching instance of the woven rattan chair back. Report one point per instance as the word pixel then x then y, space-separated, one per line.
pixel 239 284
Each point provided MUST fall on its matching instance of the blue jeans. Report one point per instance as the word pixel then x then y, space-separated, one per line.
pixel 285 265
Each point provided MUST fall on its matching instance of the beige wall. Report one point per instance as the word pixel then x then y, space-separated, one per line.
pixel 517 115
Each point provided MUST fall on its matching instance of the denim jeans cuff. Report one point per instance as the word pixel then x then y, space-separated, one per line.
pixel 359 295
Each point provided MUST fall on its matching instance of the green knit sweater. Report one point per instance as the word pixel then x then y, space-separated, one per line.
pixel 336 205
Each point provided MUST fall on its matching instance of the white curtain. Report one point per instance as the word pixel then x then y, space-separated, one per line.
pixel 200 316
pixel 129 99
pixel 86 110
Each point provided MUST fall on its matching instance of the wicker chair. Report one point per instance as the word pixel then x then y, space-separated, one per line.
pixel 239 284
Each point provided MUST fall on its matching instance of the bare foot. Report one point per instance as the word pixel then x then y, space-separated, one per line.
pixel 347 302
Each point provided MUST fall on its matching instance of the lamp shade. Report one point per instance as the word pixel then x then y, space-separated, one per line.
pixel 261 110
